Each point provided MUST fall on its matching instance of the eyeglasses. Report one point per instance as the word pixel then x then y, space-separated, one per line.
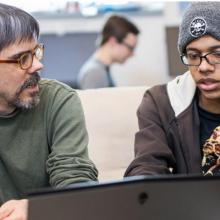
pixel 26 59
pixel 131 48
pixel 195 59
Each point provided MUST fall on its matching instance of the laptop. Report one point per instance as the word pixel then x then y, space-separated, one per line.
pixel 135 198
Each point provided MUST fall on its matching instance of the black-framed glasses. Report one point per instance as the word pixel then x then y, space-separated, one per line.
pixel 195 59
pixel 26 59
pixel 131 48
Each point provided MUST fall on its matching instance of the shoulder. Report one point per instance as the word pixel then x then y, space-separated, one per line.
pixel 158 89
pixel 57 97
pixel 51 86
pixel 53 90
pixel 156 101
pixel 157 93
pixel 92 75
pixel 92 66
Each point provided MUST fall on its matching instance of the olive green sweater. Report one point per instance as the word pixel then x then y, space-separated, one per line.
pixel 44 146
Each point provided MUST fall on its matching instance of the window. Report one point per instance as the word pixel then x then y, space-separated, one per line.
pixel 87 7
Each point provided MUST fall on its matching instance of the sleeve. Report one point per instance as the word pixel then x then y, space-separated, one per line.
pixel 68 161
pixel 152 153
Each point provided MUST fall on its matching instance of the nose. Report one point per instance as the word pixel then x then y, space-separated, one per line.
pixel 36 66
pixel 205 66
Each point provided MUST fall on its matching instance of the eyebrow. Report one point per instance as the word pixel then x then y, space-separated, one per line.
pixel 17 55
pixel 209 49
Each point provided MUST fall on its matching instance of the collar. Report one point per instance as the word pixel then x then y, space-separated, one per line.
pixel 181 91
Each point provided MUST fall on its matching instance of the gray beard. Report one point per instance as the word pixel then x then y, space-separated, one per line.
pixel 35 98
pixel 22 104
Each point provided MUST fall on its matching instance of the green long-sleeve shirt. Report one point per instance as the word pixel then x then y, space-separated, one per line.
pixel 44 146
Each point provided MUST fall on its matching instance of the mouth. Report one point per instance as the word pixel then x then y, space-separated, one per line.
pixel 32 87
pixel 208 84
pixel 31 83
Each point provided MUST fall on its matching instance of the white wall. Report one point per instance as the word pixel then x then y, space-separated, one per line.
pixel 149 66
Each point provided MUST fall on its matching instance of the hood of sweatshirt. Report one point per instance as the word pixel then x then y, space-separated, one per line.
pixel 181 91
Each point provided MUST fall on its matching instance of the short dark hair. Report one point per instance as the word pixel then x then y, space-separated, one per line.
pixel 117 26
pixel 16 25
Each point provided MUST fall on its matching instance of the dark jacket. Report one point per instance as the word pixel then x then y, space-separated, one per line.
pixel 168 139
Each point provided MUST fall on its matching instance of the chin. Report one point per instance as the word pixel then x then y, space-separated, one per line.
pixel 121 61
pixel 212 96
pixel 28 102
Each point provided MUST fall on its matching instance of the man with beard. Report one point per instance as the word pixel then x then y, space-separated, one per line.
pixel 180 121
pixel 43 139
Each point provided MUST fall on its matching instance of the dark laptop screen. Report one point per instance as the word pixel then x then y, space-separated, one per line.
pixel 139 198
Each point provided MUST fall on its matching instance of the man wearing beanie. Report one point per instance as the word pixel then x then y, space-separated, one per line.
pixel 180 122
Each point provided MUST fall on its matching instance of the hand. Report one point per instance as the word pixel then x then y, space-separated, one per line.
pixel 14 210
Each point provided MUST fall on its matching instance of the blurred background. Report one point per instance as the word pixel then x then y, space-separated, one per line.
pixel 69 30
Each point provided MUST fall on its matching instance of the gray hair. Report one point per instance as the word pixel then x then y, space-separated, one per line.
pixel 16 25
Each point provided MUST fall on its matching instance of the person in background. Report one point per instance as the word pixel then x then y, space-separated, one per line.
pixel 180 122
pixel 43 138
pixel 117 42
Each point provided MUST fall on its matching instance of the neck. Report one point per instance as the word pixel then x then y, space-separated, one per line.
pixel 103 54
pixel 210 105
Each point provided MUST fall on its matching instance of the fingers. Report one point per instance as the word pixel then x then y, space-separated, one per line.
pixel 14 210
pixel 6 209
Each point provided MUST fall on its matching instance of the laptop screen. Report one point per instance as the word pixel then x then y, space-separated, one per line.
pixel 135 198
